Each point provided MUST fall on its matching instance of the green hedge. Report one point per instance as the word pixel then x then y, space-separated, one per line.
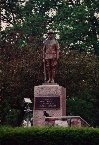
pixel 49 136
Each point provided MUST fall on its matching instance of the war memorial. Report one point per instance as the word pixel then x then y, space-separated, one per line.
pixel 50 98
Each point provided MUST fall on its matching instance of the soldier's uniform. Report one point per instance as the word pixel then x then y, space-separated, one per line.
pixel 51 55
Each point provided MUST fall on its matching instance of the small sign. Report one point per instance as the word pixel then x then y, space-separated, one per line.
pixel 47 102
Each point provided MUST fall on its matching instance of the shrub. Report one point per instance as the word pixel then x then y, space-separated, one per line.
pixel 49 136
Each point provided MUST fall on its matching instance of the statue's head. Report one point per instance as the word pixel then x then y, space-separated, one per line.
pixel 50 31
pixel 50 34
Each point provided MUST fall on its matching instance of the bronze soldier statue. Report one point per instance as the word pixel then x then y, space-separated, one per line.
pixel 50 56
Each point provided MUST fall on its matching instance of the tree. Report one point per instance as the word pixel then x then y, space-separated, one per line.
pixel 11 11
pixel 79 74
pixel 77 23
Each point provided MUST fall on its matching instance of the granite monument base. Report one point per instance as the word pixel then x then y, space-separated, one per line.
pixel 49 100
pixel 66 121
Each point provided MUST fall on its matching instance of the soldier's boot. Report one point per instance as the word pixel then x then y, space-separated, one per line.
pixel 49 77
pixel 53 75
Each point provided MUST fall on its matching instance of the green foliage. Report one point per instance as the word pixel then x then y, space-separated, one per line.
pixel 78 73
pixel 82 107
pixel 78 26
pixel 11 11
pixel 76 22
pixel 49 136
pixel 9 114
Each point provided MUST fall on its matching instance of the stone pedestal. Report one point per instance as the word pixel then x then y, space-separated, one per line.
pixel 50 98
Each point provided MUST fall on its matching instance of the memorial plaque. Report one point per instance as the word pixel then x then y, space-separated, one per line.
pixel 47 103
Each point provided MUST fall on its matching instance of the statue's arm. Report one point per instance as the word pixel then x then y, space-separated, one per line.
pixel 57 50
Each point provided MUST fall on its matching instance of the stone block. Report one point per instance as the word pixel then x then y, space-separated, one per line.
pixel 50 98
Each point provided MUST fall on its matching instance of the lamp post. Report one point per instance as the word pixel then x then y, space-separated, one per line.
pixel 27 109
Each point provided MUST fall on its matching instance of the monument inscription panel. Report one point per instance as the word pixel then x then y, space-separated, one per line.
pixel 47 102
